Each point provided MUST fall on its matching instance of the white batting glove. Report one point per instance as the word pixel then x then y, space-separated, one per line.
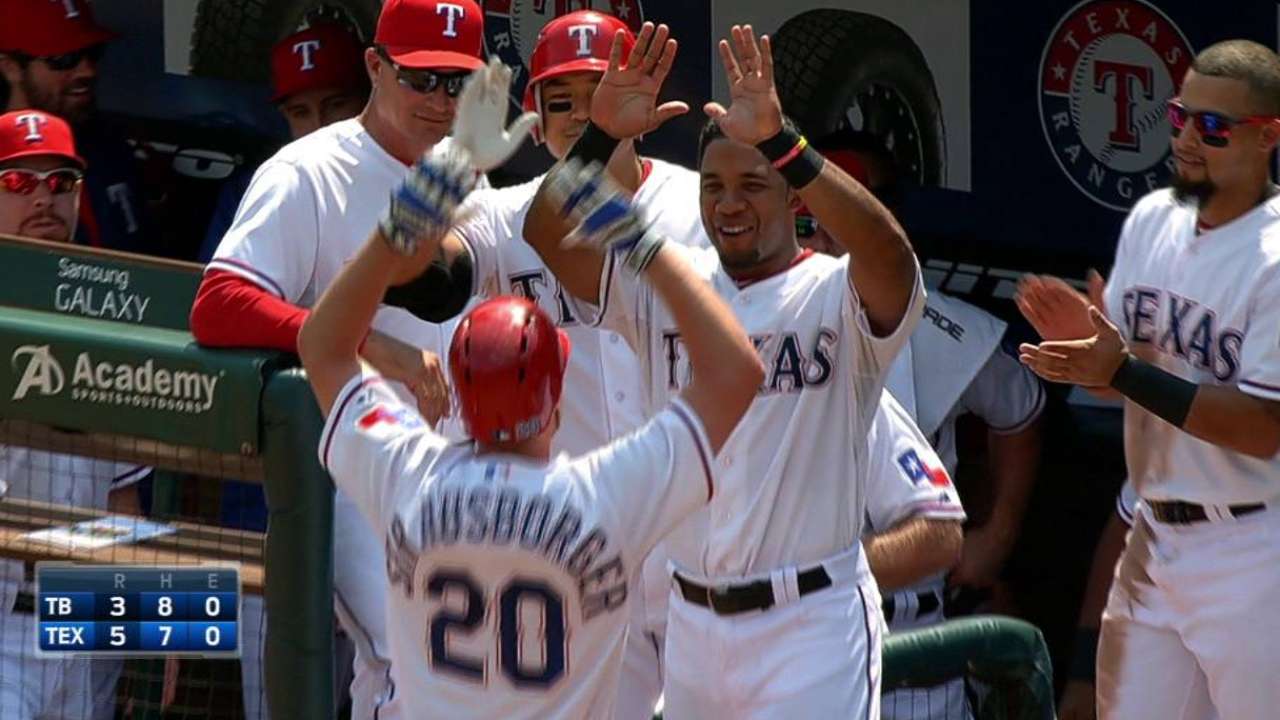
pixel 479 126
pixel 606 219
pixel 423 206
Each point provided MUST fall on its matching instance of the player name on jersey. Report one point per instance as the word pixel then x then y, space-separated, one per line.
pixel 122 610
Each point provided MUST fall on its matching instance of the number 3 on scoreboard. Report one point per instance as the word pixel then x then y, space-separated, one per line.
pixel 508 599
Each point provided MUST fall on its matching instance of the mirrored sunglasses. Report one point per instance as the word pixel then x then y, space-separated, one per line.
pixel 67 61
pixel 19 181
pixel 1214 128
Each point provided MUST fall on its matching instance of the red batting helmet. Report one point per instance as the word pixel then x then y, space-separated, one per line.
pixel 507 362
pixel 576 42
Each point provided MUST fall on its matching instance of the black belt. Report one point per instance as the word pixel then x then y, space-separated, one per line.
pixel 1177 512
pixel 758 595
pixel 24 603
pixel 927 602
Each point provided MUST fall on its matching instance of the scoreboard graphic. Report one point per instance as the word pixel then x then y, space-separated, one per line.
pixel 99 610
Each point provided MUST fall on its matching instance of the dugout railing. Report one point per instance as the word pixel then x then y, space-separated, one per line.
pixel 100 364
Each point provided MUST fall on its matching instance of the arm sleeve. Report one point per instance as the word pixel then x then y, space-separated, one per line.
pixel 905 477
pixel 1005 394
pixel 1260 351
pixel 273 239
pixel 480 235
pixel 653 478
pixel 371 443
pixel 230 311
pixel 872 354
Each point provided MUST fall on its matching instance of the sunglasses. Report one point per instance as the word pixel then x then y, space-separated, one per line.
pixel 24 182
pixel 1214 128
pixel 66 61
pixel 426 81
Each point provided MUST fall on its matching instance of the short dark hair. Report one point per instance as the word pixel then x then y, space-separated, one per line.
pixel 1253 63
pixel 710 132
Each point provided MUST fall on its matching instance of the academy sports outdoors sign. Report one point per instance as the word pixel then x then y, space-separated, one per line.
pixel 1106 74
pixel 140 385
pixel 153 383
pixel 511 28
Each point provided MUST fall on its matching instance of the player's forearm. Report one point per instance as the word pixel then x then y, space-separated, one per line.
pixel 230 311
pixel 330 339
pixel 1217 414
pixel 576 269
pixel 1014 460
pixel 913 550
pixel 881 261
pixel 1228 417
pixel 727 371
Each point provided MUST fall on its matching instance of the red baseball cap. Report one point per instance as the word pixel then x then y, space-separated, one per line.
pixel 28 133
pixel 324 56
pixel 432 33
pixel 49 27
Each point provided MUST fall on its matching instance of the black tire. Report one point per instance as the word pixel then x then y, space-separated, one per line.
pixel 831 62
pixel 232 39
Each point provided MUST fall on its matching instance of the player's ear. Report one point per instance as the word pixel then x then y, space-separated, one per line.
pixel 1269 137
pixel 794 203
pixel 372 64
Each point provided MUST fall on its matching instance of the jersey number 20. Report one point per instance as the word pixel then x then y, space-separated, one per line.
pixel 508 600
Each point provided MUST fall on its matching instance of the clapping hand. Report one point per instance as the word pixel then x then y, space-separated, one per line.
pixel 754 113
pixel 625 103
pixel 479 127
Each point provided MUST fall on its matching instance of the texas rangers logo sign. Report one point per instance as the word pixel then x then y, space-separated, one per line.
pixel 1106 74
pixel 511 28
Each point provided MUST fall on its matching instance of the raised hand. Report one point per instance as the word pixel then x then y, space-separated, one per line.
pixel 754 113
pixel 1056 310
pixel 604 214
pixel 625 103
pixel 1091 362
pixel 422 208
pixel 479 127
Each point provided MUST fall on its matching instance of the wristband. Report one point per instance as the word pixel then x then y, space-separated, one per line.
pixel 792 155
pixel 1163 394
pixel 1084 655
pixel 594 145
pixel 637 254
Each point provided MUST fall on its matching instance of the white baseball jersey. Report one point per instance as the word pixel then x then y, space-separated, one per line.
pixel 954 366
pixel 1127 502
pixel 1202 307
pixel 905 476
pixel 906 479
pixel 63 687
pixel 510 576
pixel 307 211
pixel 786 497
pixel 605 390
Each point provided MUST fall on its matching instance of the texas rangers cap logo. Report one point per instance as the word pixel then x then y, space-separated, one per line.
pixel 1106 74
pixel 511 28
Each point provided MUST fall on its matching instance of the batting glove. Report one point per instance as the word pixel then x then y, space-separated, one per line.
pixel 480 126
pixel 605 217
pixel 423 207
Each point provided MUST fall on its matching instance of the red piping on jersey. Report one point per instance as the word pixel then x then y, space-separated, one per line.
pixel 805 254
pixel 646 167
pixel 230 311
pixel 336 416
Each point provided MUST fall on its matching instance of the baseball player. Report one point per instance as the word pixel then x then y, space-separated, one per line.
pixel 768 579
pixel 510 566
pixel 305 214
pixel 49 54
pixel 1190 339
pixel 953 365
pixel 485 256
pixel 40 178
pixel 317 79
